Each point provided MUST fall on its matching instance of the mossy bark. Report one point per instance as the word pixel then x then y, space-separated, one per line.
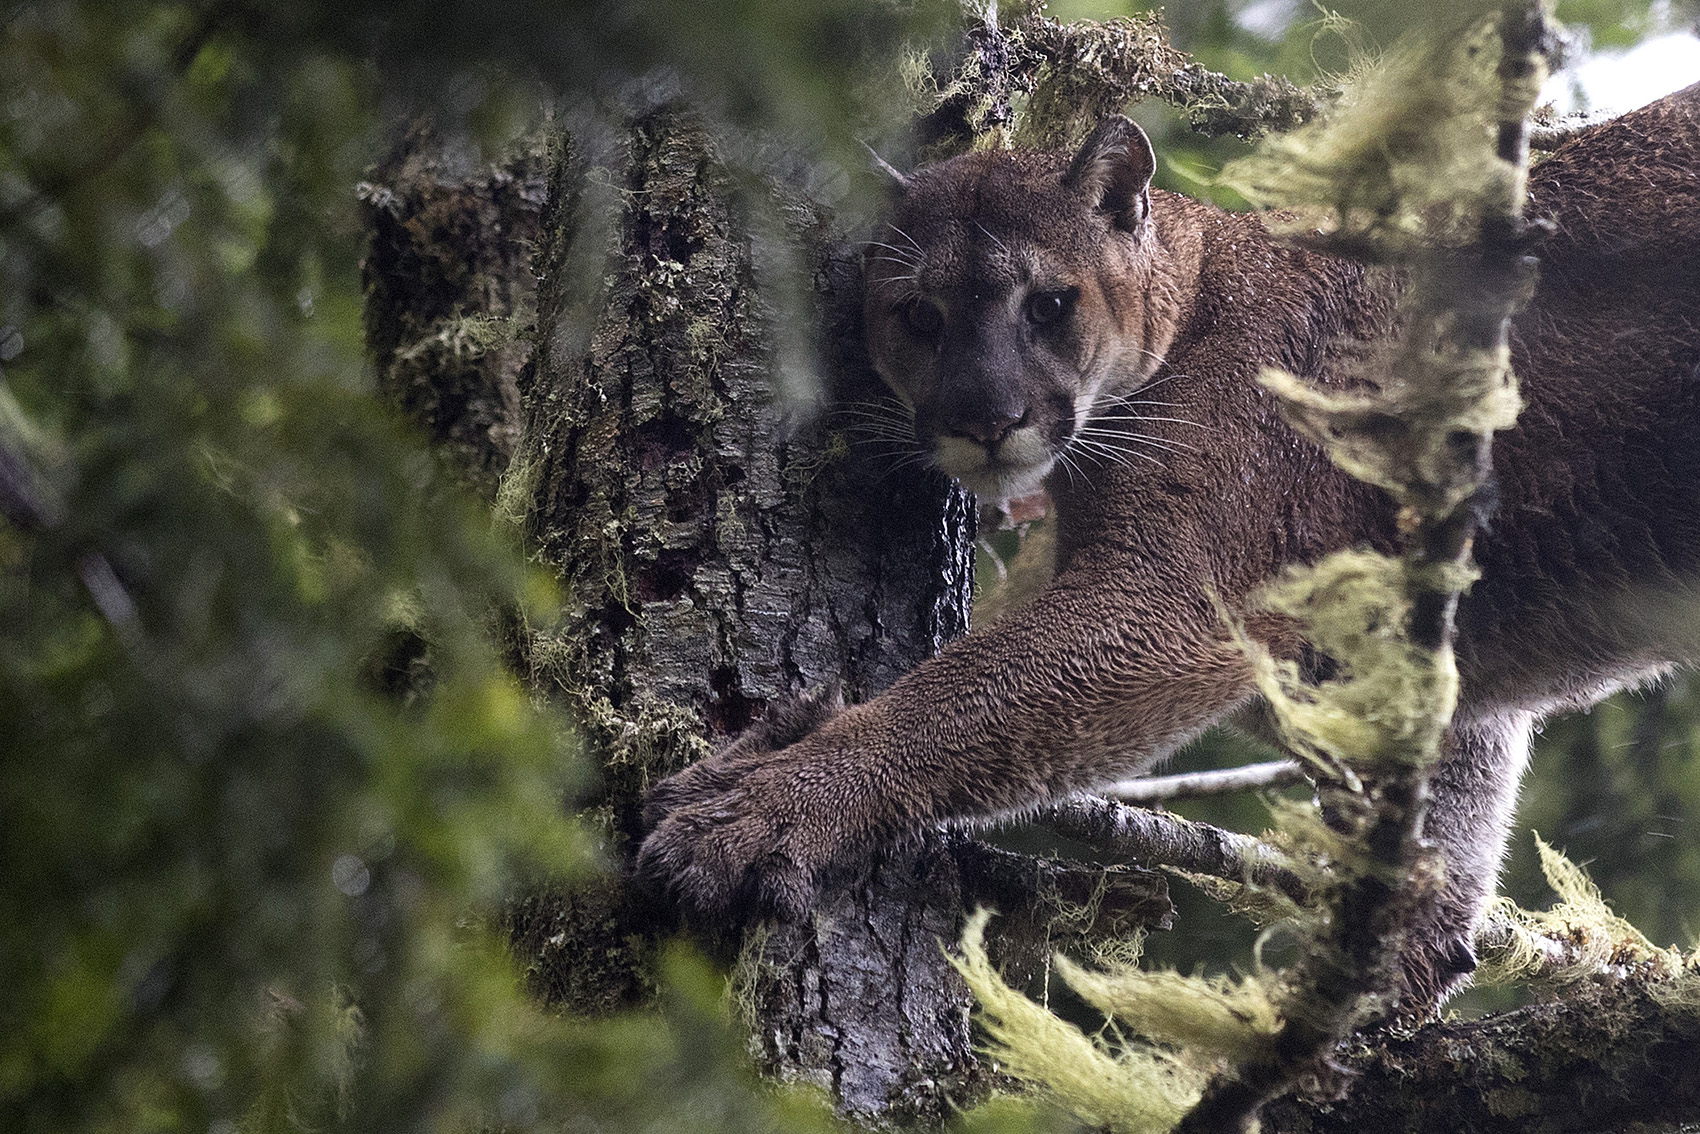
pixel 1611 1056
pixel 718 556
pixel 448 294
pixel 720 551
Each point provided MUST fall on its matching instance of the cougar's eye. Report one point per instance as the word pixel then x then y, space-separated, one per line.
pixel 923 319
pixel 1047 307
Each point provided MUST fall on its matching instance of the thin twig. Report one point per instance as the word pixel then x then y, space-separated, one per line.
pixel 1220 781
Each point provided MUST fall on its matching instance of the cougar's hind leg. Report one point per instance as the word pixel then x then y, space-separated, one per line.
pixel 1473 797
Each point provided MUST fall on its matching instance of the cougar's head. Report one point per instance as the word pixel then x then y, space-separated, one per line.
pixel 1012 292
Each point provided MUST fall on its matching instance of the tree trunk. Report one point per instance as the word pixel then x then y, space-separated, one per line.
pixel 448 291
pixel 718 560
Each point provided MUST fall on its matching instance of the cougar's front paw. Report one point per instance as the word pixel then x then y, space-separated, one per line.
pixel 736 832
pixel 735 838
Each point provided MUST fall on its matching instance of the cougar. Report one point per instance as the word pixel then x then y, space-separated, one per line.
pixel 1053 320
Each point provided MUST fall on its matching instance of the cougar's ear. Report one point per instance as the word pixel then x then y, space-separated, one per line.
pixel 1113 171
pixel 888 173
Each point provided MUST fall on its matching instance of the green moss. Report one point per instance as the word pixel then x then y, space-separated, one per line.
pixel 1092 70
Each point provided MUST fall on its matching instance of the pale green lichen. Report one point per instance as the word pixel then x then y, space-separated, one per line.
pixel 462 337
pixel 1401 436
pixel 1143 1089
pixel 752 974
pixel 1405 159
pixel 516 492
pixel 1578 938
pixel 1390 698
pixel 1218 1017
pixel 653 736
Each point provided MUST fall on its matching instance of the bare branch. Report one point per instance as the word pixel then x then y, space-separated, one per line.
pixel 1158 837
pixel 1222 781
pixel 1095 900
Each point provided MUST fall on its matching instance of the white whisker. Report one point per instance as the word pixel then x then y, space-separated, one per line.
pixel 907 237
pixel 1108 435
pixel 1112 452
pixel 903 255
pixel 1101 451
pixel 991 236
pixel 1146 417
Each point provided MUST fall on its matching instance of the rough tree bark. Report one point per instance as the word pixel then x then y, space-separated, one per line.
pixel 448 287
pixel 1611 1055
pixel 716 562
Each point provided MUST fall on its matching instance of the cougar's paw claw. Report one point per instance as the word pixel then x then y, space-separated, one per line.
pixel 716 858
pixel 750 829
pixel 786 723
pixel 698 783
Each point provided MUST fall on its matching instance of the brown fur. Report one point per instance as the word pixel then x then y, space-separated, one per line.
pixel 1124 656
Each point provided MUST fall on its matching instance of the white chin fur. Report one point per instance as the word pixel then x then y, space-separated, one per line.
pixel 988 480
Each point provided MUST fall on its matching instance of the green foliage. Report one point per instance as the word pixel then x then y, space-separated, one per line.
pixel 1619 789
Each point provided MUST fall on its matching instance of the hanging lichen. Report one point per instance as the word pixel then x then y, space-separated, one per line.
pixel 1579 938
pixel 1399 163
pixel 1141 1089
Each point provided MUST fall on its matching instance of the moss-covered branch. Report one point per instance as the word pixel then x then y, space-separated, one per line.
pixel 1611 1056
pixel 1039 82
pixel 1424 434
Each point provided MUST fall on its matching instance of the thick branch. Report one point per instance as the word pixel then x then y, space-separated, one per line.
pixel 1074 74
pixel 1611 1057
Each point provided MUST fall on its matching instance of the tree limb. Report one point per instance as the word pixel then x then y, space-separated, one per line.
pixel 1158 837
pixel 1073 74
pixel 1612 1056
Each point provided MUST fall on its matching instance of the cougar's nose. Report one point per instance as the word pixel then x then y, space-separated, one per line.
pixel 989 429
